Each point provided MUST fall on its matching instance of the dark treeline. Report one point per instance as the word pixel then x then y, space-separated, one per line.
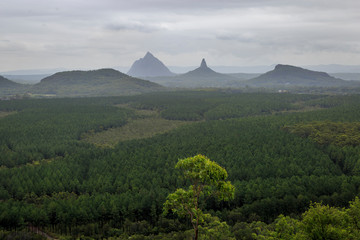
pixel 52 180
pixel 43 129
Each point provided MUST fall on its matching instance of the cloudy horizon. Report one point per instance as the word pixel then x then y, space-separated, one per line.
pixel 92 34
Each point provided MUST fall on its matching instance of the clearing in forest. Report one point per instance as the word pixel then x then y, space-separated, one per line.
pixel 4 114
pixel 148 126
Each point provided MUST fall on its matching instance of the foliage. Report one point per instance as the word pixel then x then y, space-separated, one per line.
pixel 55 181
pixel 318 222
pixel 20 235
pixel 324 222
pixel 326 133
pixel 213 229
pixel 195 105
pixel 134 129
pixel 46 129
pixel 207 179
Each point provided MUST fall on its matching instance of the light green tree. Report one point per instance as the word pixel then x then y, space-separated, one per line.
pixel 325 222
pixel 207 179
pixel 319 222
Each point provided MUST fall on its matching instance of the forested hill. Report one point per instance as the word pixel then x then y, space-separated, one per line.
pixel 6 83
pixel 287 76
pixel 96 82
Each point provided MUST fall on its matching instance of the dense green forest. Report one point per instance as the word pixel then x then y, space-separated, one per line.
pixel 272 146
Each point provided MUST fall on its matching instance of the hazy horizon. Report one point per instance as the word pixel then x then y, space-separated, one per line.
pixel 96 34
pixel 331 68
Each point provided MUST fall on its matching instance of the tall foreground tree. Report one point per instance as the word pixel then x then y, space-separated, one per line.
pixel 207 179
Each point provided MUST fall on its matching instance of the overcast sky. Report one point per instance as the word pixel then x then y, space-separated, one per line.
pixel 91 34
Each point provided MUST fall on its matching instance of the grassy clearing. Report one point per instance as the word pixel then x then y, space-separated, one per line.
pixel 148 123
pixel 140 112
pixel 301 107
pixel 135 129
pixel 4 114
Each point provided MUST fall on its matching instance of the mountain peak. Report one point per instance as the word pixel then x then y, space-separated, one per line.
pixel 287 67
pixel 203 63
pixel 204 71
pixel 149 66
pixel 149 55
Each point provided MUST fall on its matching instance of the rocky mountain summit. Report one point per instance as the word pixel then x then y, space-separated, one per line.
pixel 149 66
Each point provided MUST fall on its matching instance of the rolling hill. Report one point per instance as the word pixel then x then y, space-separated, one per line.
pixel 102 82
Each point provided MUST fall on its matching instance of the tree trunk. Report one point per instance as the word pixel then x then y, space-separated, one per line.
pixel 196 233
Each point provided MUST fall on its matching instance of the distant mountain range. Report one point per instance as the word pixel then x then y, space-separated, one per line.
pixel 347 76
pixel 149 66
pixel 108 82
pixel 334 68
pixel 27 79
pixel 203 76
pixel 282 76
pixel 48 71
pixel 329 68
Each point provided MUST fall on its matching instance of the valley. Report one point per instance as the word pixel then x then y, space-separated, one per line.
pixel 179 120
pixel 102 167
pixel 92 154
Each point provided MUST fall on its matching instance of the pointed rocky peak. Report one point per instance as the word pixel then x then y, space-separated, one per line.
pixel 149 66
pixel 203 71
pixel 149 55
pixel 203 63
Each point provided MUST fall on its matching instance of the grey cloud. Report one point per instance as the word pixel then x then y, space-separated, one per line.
pixel 256 31
pixel 132 26
pixel 7 46
pixel 239 37
pixel 188 5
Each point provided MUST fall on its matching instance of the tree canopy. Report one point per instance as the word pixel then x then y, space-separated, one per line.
pixel 207 179
pixel 52 179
